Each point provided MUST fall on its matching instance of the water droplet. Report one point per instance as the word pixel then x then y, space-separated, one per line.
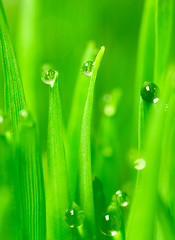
pixel 49 76
pixel 150 92
pixel 139 164
pixel 110 102
pixel 74 216
pixel 122 198
pixel 87 68
pixel 5 126
pixel 110 222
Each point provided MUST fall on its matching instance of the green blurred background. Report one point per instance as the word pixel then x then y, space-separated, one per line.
pixel 57 33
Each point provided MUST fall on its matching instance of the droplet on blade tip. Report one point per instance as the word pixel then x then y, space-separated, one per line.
pixel 49 76
pixel 87 68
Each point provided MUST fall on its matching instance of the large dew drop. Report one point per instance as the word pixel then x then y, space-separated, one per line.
pixel 87 68
pixel 74 216
pixel 122 198
pixel 150 92
pixel 110 223
pixel 49 77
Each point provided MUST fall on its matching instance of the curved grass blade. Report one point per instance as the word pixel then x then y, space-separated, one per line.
pixel 14 94
pixel 145 58
pixel 58 199
pixel 31 181
pixel 85 174
pixel 75 119
pixel 143 210
pixel 164 20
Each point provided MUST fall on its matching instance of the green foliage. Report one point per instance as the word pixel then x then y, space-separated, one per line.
pixel 14 95
pixel 109 162
pixel 85 174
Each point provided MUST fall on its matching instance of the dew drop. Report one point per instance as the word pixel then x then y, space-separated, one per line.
pixel 122 198
pixel 110 222
pixel 139 164
pixel 87 68
pixel 150 92
pixel 74 216
pixel 49 77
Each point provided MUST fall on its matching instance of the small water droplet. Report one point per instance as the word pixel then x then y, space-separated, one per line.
pixel 87 68
pixel 74 216
pixel 110 222
pixel 49 77
pixel 150 92
pixel 5 126
pixel 122 198
pixel 139 164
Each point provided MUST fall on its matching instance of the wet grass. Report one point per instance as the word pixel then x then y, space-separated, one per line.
pixel 107 170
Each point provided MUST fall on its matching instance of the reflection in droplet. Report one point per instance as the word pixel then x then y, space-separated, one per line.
pixel 87 68
pixel 74 216
pixel 150 92
pixel 49 77
pixel 139 164
pixel 111 222
pixel 123 198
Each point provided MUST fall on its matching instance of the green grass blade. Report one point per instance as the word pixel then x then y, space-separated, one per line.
pixel 75 119
pixel 85 175
pixel 145 58
pixel 143 210
pixel 27 50
pixel 164 20
pixel 58 199
pixel 14 94
pixel 10 211
pixel 31 181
